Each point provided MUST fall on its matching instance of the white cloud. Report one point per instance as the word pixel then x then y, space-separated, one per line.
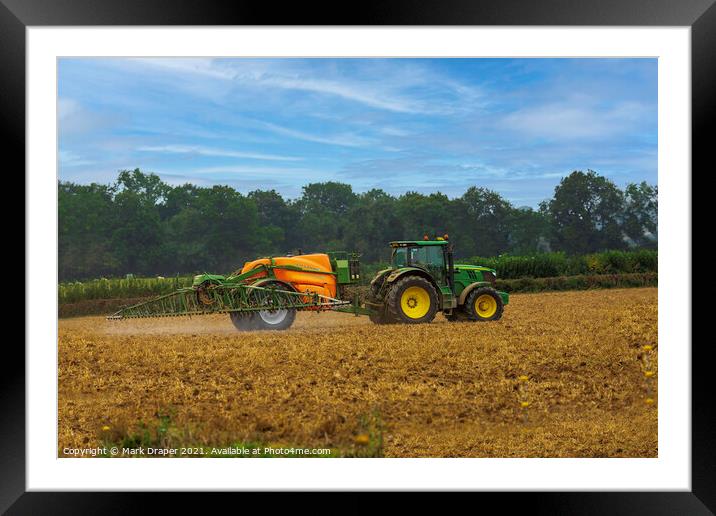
pixel 66 107
pixel 572 120
pixel 71 159
pixel 344 140
pixel 75 118
pixel 210 151
pixel 196 66
pixel 360 93
pixel 387 90
pixel 394 131
pixel 240 169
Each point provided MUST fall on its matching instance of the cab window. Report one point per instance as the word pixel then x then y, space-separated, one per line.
pixel 400 257
pixel 430 256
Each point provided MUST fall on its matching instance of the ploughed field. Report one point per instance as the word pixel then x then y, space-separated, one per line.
pixel 445 389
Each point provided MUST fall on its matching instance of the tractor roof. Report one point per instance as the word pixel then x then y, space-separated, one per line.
pixel 405 243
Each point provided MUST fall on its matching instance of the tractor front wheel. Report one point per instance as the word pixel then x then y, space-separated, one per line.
pixel 412 300
pixel 484 304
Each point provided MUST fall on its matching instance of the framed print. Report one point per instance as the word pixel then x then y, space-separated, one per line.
pixel 419 252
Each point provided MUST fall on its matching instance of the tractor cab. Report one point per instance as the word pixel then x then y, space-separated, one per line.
pixel 432 256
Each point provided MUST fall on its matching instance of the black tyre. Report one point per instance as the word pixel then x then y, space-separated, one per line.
pixel 380 318
pixel 242 321
pixel 484 304
pixel 412 300
pixel 278 319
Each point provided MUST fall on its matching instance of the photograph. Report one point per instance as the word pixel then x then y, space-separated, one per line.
pixel 357 257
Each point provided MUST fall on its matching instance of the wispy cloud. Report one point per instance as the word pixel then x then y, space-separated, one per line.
pixel 401 92
pixel 577 120
pixel 210 151
pixel 360 93
pixel 343 140
pixel 241 169
pixel 71 159
pixel 77 119
pixel 185 65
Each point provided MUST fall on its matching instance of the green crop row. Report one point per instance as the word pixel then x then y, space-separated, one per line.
pixel 580 282
pixel 117 288
pixel 548 265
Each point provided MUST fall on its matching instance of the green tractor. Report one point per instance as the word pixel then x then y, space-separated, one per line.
pixel 423 280
pixel 266 293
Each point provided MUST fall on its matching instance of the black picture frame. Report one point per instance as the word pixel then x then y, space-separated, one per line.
pixel 700 15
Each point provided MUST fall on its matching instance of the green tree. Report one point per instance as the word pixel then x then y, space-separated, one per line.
pixel 86 216
pixel 276 219
pixel 422 214
pixel 641 214
pixel 323 210
pixel 149 188
pixel 585 214
pixel 373 222
pixel 177 199
pixel 528 231
pixel 484 218
pixel 140 224
pixel 230 227
pixel 137 238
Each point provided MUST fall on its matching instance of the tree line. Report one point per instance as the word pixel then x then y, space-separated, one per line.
pixel 141 225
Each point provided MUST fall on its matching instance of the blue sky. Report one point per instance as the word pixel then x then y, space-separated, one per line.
pixel 513 125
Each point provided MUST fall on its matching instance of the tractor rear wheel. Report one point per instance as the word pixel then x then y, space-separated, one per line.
pixel 412 300
pixel 484 304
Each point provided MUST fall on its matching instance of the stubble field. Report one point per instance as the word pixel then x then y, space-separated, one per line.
pixel 439 390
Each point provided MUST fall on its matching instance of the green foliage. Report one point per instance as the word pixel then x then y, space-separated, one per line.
pixel 586 214
pixel 72 292
pixel 640 222
pixel 144 226
pixel 579 282
pixel 545 265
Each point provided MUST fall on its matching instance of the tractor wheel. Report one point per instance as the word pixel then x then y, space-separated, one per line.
pixel 383 316
pixel 242 321
pixel 484 304
pixel 412 300
pixel 380 318
pixel 280 319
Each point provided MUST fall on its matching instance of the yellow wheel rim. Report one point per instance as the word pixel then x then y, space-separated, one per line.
pixel 485 306
pixel 415 302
